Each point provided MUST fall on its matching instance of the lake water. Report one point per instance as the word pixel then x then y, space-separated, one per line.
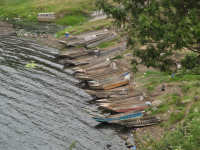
pixel 41 108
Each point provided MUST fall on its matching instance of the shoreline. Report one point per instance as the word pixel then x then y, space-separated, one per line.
pixel 102 96
pixel 124 65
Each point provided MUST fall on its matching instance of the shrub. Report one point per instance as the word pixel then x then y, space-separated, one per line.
pixel 176 117
pixel 117 57
pixel 191 61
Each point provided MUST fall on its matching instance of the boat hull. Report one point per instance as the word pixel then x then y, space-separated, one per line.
pixel 109 86
pixel 120 118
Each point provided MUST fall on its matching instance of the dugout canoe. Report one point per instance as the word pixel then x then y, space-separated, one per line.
pixel 119 117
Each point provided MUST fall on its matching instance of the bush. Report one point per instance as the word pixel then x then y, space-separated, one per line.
pixel 117 57
pixel 176 117
pixel 191 61
pixel 196 70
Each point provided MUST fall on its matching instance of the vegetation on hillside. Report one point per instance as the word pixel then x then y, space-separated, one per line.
pixel 179 108
pixel 157 31
pixel 86 27
pixel 69 12
pixel 163 27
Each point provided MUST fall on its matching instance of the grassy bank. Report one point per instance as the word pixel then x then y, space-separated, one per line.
pixel 180 109
pixel 69 12
pixel 86 26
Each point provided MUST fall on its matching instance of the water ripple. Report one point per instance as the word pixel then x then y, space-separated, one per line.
pixel 40 108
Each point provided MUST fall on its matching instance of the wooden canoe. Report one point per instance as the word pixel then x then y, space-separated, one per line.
pixel 100 63
pixel 126 108
pixel 108 86
pixel 77 53
pixel 107 94
pixel 106 38
pixel 120 99
pixel 140 122
pixel 92 66
pixel 130 99
pixel 136 108
pixel 119 117
pixel 90 40
pixel 122 104
pixel 99 74
pixel 84 78
pixel 67 62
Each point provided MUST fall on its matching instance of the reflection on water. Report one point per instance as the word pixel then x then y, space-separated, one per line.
pixel 40 108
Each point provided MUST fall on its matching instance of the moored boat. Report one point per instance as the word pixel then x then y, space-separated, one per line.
pixel 131 104
pixel 125 108
pixel 77 53
pixel 141 122
pixel 110 83
pixel 101 94
pixel 119 117
pixel 98 86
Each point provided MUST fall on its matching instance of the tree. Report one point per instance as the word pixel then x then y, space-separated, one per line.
pixel 162 26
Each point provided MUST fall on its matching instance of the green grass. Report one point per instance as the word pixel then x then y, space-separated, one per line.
pixel 66 10
pixel 161 109
pixel 108 43
pixel 185 137
pixel 86 27
pixel 176 117
pixel 151 79
pixel 181 110
pixel 17 8
pixel 72 146
pixel 72 20
pixel 117 57
pixel 194 112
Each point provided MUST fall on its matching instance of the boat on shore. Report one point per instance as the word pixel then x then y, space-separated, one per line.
pixel 110 83
pixel 131 108
pixel 89 40
pixel 92 67
pixel 101 94
pixel 130 119
pixel 125 104
pixel 72 63
pixel 125 96
pixel 123 107
pixel 101 86
pixel 100 73
pixel 141 122
pixel 119 117
pixel 107 79
pixel 74 53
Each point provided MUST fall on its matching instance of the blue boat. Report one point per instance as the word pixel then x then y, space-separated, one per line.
pixel 124 117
